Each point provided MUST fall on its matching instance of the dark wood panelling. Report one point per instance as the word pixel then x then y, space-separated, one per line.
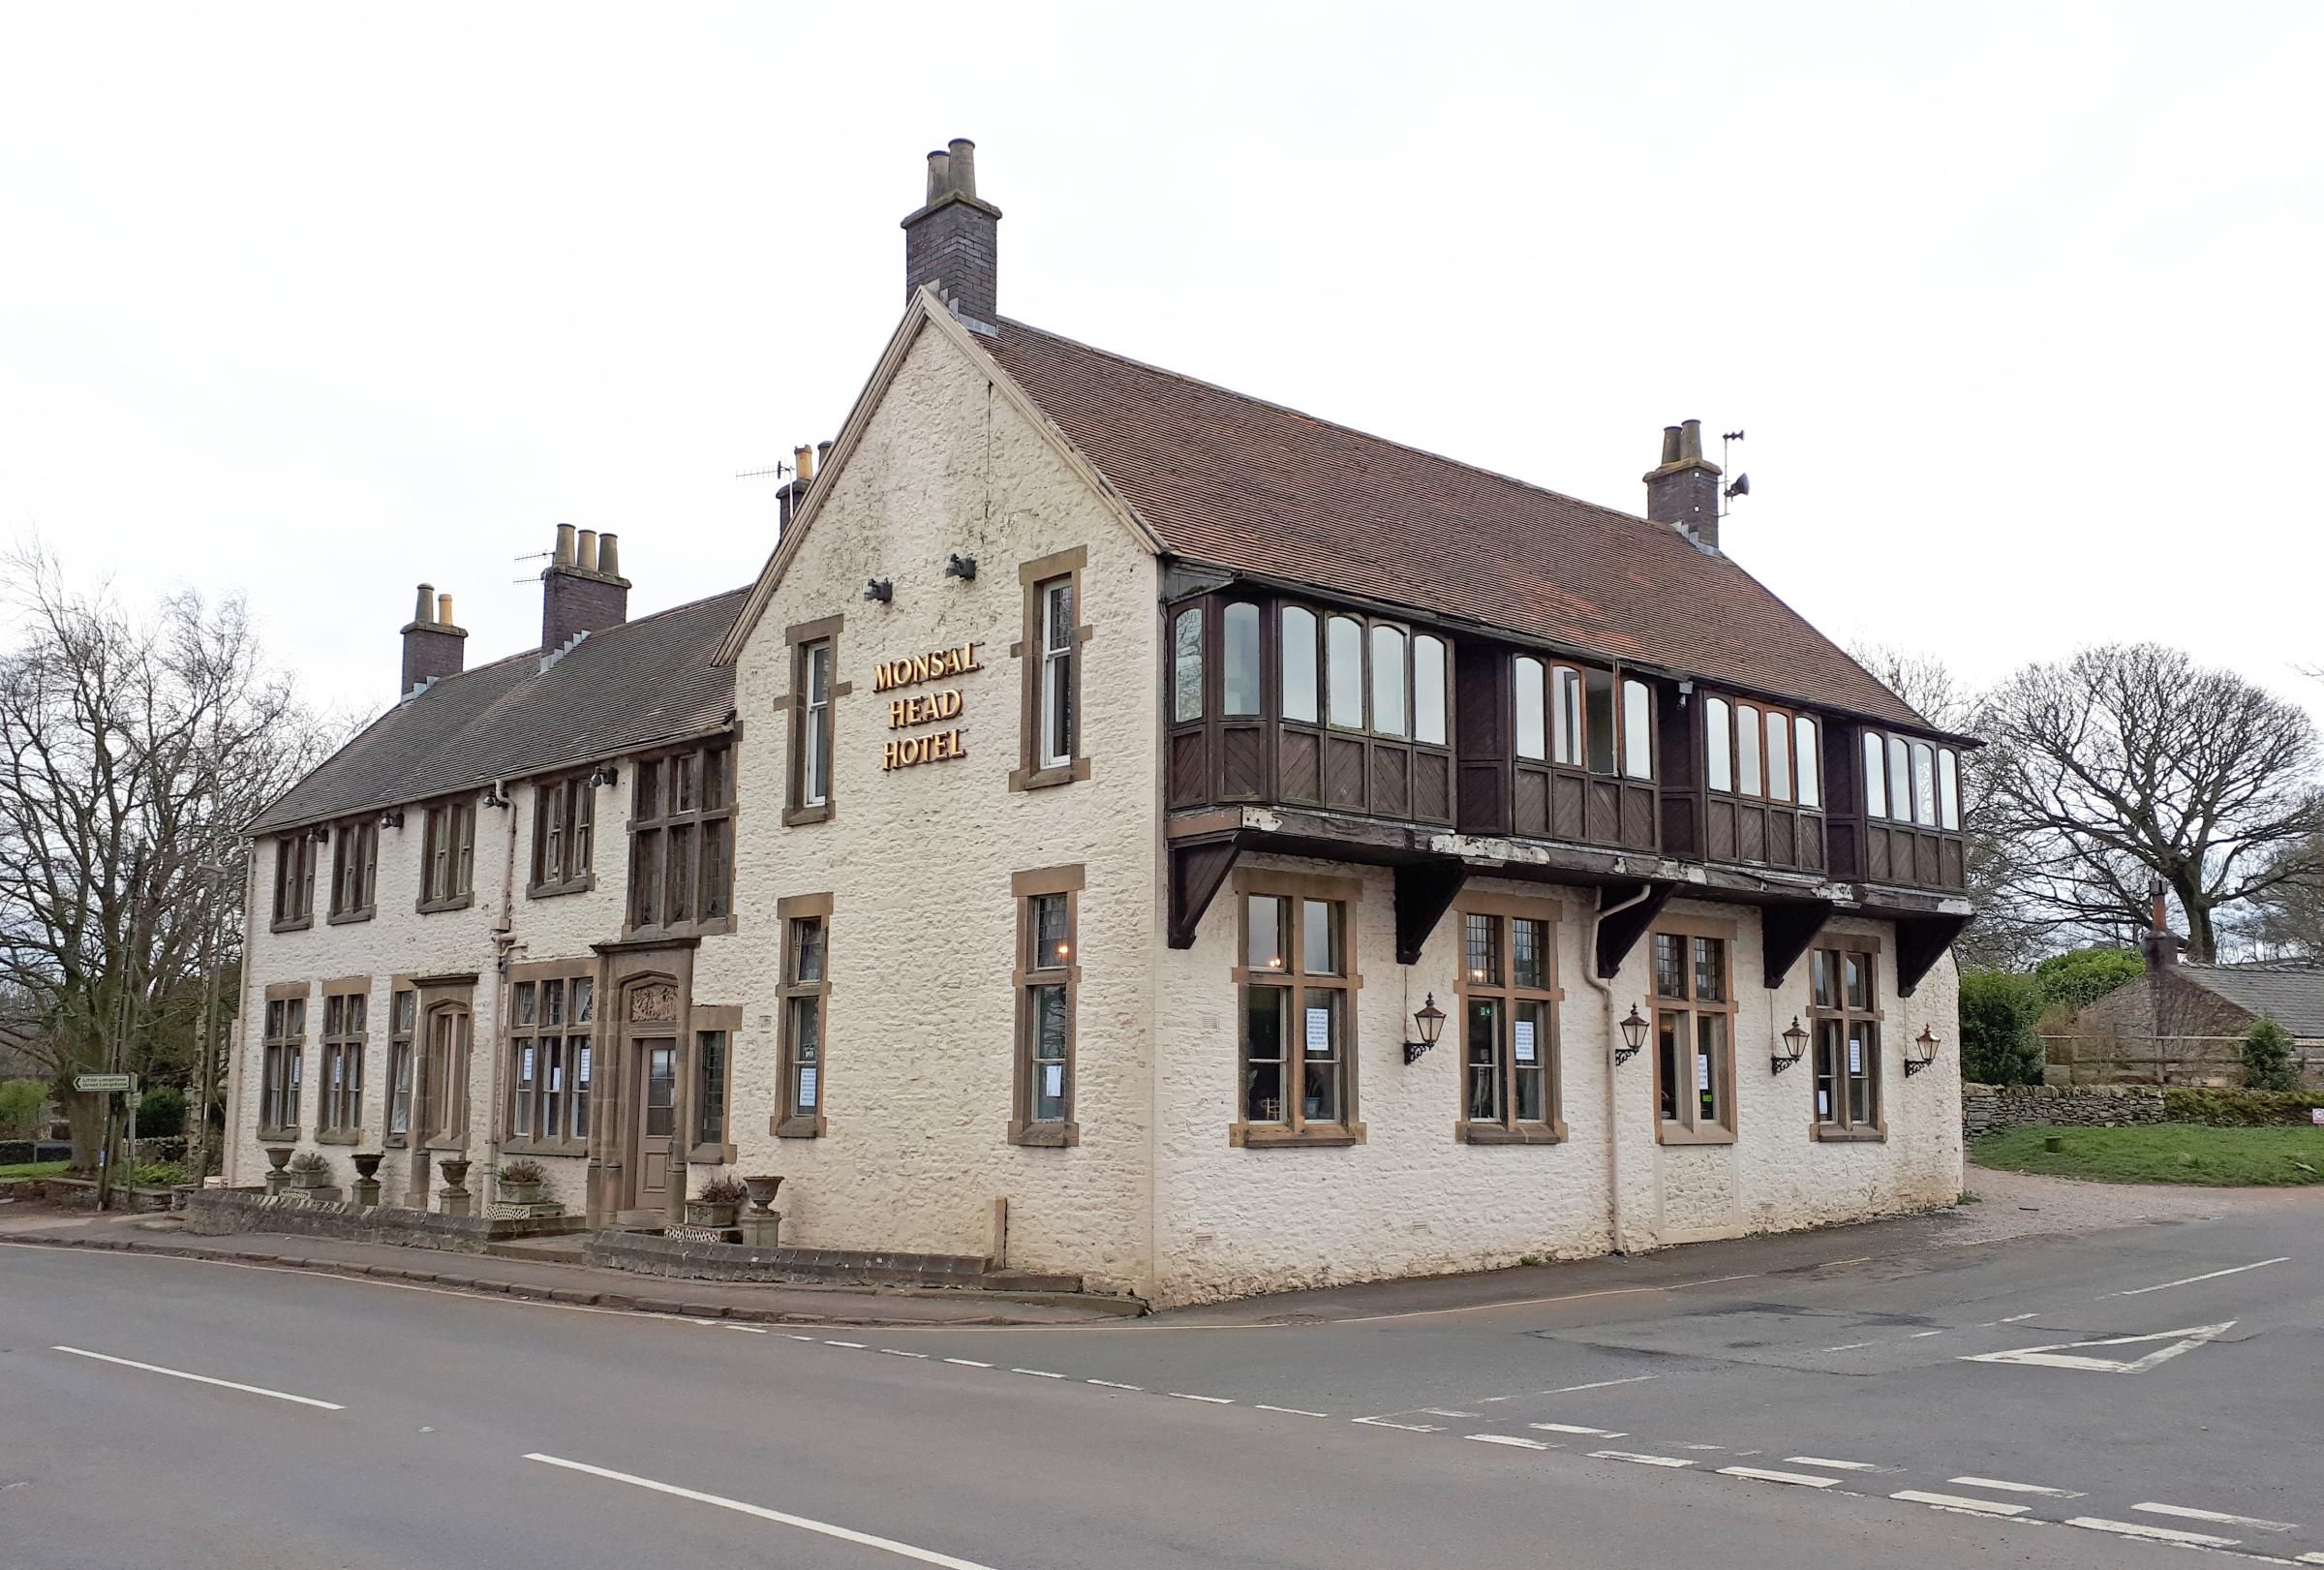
pixel 1189 775
pixel 1431 787
pixel 1243 777
pixel 1392 780
pixel 1300 777
pixel 1750 831
pixel 1343 772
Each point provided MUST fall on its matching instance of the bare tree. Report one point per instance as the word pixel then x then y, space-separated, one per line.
pixel 132 751
pixel 2131 762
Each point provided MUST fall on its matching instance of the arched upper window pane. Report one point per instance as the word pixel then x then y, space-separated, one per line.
pixel 1186 665
pixel 1564 716
pixel 1811 762
pixel 1779 756
pixel 1900 779
pixel 1530 699
pixel 1238 693
pixel 1876 788
pixel 1638 731
pixel 1299 663
pixel 1949 788
pixel 1718 722
pixel 1598 721
pixel 1924 784
pixel 1747 749
pixel 1429 690
pixel 1388 680
pixel 1343 675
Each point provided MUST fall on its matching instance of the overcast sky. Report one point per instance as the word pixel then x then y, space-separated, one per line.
pixel 2018 304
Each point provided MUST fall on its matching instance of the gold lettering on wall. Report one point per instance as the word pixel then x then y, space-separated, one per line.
pixel 924 708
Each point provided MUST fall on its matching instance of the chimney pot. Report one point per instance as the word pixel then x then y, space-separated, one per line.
pixel 822 453
pixel 1690 438
pixel 585 554
pixel 952 245
pixel 803 464
pixel 432 647
pixel 609 555
pixel 425 610
pixel 961 167
pixel 564 544
pixel 1670 444
pixel 1684 489
pixel 939 175
pixel 444 609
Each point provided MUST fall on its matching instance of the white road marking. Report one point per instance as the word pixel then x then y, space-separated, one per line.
pixel 1408 1428
pixel 1643 1461
pixel 796 1336
pixel 852 1346
pixel 1038 1373
pixel 1919 1334
pixel 747 1330
pixel 968 1363
pixel 2190 1280
pixel 2310 1559
pixel 1958 1502
pixel 1761 1475
pixel 1214 1400
pixel 1600 1384
pixel 2016 1317
pixel 1445 1411
pixel 1110 1384
pixel 1839 1465
pixel 1510 1439
pixel 203 1379
pixel 891 1351
pixel 1290 1411
pixel 1576 1428
pixel 1702 1447
pixel 1484 1401
pixel 1849 1347
pixel 2060 1354
pixel 2162 1535
pixel 2185 1514
pixel 781 1517
pixel 2014 1487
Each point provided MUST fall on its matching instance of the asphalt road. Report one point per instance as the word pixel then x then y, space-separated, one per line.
pixel 1624 1414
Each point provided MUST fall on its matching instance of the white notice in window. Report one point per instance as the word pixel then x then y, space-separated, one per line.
pixel 1319 1032
pixel 1855 1055
pixel 1052 1079
pixel 338 1065
pixel 526 1072
pixel 807 1087
pixel 556 1076
pixel 585 1066
pixel 1823 1103
pixel 1524 1041
pixel 1702 1070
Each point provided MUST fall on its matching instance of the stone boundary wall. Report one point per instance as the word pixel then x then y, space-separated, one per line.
pixel 219 1212
pixel 649 1253
pixel 1988 1108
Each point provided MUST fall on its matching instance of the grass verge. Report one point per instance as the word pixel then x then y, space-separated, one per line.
pixel 34 1169
pixel 2161 1153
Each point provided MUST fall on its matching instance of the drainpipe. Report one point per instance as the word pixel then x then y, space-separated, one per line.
pixel 503 939
pixel 1613 1129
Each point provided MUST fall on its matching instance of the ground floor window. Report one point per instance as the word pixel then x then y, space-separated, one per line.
pixel 1297 987
pixel 282 1067
pixel 805 1002
pixel 1844 1007
pixel 1049 972
pixel 1508 996
pixel 552 1019
pixel 403 1018
pixel 342 1082
pixel 1693 1034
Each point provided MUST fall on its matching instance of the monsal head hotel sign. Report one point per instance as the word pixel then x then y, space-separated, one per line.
pixel 924 708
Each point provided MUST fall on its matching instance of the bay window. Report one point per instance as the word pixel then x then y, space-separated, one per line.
pixel 1583 719
pixel 1764 751
pixel 1908 781
pixel 1240 682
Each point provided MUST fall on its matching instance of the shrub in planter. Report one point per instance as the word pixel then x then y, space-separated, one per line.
pixel 717 1204
pixel 521 1181
pixel 309 1170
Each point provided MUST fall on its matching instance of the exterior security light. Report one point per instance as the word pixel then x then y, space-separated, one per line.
pixel 1795 1042
pixel 1431 1022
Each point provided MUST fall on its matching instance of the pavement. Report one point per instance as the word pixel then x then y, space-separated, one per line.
pixel 2056 1376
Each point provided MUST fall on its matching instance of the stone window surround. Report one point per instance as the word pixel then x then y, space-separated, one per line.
pixel 572 786
pixel 730 741
pixel 786 1124
pixel 281 1133
pixel 538 971
pixel 1502 907
pixel 702 1019
pixel 1691 927
pixel 795 641
pixel 450 994
pixel 1024 888
pixel 407 1043
pixel 1030 774
pixel 1348 893
pixel 363 835
pixel 294 896
pixel 360 1040
pixel 445 815
pixel 1837 1132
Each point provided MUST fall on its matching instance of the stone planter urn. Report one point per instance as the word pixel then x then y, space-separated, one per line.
pixel 760 1222
pixel 456 1200
pixel 703 1212
pixel 367 1176
pixel 762 1194
pixel 309 1177
pixel 520 1193
pixel 278 1156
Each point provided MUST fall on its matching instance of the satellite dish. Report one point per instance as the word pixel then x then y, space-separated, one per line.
pixel 1741 487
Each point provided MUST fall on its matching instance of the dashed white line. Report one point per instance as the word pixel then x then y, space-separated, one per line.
pixel 1600 1384
pixel 2016 1317
pixel 204 1379
pixel 796 1336
pixel 1921 1334
pixel 1840 1466
pixel 1960 1501
pixel 2309 1558
pixel 1702 1447
pixel 821 1529
pixel 890 1351
pixel 1445 1411
pixel 967 1363
pixel 1643 1461
pixel 1290 1411
pixel 747 1330
pixel 2221 1516
pixel 1510 1439
pixel 2006 1486
pixel 1111 1384
pixel 1849 1347
pixel 2208 1276
pixel 2160 1534
pixel 1408 1428
pixel 1214 1400
pixel 852 1346
pixel 1576 1428
pixel 1038 1373
pixel 1761 1474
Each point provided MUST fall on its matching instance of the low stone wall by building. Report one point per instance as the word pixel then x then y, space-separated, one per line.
pixel 1988 1108
pixel 690 1259
pixel 219 1212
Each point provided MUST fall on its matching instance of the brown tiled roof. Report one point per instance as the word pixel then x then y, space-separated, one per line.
pixel 1250 486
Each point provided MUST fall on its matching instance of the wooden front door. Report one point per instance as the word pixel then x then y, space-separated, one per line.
pixel 657 1104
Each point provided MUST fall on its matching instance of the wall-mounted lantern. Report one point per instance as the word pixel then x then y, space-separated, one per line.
pixel 392 818
pixel 1430 1020
pixel 879 591
pixel 1634 1036
pixel 1795 1042
pixel 606 774
pixel 1920 1052
pixel 962 568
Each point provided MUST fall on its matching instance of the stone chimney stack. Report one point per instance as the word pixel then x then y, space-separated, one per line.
pixel 1684 489
pixel 582 589
pixel 432 647
pixel 952 242
pixel 2160 945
